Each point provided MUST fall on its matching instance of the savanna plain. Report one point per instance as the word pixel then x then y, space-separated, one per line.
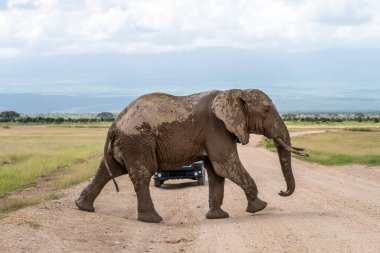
pixel 335 208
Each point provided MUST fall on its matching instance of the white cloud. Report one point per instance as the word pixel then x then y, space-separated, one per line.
pixel 87 26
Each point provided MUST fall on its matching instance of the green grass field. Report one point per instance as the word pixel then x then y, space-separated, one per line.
pixel 343 147
pixel 62 156
pixel 348 146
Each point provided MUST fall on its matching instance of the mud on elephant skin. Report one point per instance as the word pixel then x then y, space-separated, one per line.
pixel 161 131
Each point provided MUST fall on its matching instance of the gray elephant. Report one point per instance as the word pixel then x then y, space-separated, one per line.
pixel 161 131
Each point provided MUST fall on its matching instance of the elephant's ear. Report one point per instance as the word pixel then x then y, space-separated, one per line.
pixel 228 107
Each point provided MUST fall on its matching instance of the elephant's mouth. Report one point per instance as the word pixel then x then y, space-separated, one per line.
pixel 294 150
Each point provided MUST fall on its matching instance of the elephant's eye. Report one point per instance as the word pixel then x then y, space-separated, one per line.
pixel 267 110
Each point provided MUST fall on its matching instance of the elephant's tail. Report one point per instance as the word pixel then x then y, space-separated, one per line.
pixel 108 155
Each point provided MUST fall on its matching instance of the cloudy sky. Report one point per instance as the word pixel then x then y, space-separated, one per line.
pixel 85 55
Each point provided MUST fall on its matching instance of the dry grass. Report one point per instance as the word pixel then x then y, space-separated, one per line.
pixel 61 156
pixel 344 142
pixel 21 202
pixel 76 174
pixel 343 124
pixel 343 147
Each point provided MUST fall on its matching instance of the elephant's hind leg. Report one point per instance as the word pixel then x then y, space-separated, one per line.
pixel 140 176
pixel 139 156
pixel 216 193
pixel 86 199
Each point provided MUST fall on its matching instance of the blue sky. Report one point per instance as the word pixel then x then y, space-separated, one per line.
pixel 90 56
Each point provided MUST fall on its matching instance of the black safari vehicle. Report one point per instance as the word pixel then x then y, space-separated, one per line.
pixel 193 171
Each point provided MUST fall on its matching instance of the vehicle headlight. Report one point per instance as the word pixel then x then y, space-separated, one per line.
pixel 155 173
pixel 159 175
pixel 200 172
pixel 195 173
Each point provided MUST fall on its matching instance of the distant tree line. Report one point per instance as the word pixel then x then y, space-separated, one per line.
pixel 57 118
pixel 332 117
pixel 12 116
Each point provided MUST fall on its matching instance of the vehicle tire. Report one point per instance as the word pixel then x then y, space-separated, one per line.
pixel 157 183
pixel 201 180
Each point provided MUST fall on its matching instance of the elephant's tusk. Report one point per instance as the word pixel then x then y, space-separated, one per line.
pixel 298 149
pixel 291 149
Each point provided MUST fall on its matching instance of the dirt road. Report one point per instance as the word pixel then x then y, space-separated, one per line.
pixel 334 209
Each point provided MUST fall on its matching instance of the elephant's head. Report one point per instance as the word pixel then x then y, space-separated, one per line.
pixel 252 111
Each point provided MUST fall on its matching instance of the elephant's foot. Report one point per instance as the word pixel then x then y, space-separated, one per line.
pixel 84 205
pixel 151 217
pixel 255 205
pixel 216 213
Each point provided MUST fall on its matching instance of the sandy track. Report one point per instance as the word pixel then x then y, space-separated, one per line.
pixel 334 209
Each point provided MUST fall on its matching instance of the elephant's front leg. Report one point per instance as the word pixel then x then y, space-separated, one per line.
pixel 140 177
pixel 216 193
pixel 231 167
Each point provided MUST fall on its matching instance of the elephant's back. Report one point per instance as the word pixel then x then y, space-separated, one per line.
pixel 149 112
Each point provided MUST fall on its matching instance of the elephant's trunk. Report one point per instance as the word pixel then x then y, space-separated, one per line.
pixel 284 155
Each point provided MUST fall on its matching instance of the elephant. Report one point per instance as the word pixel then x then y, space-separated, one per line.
pixel 162 131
